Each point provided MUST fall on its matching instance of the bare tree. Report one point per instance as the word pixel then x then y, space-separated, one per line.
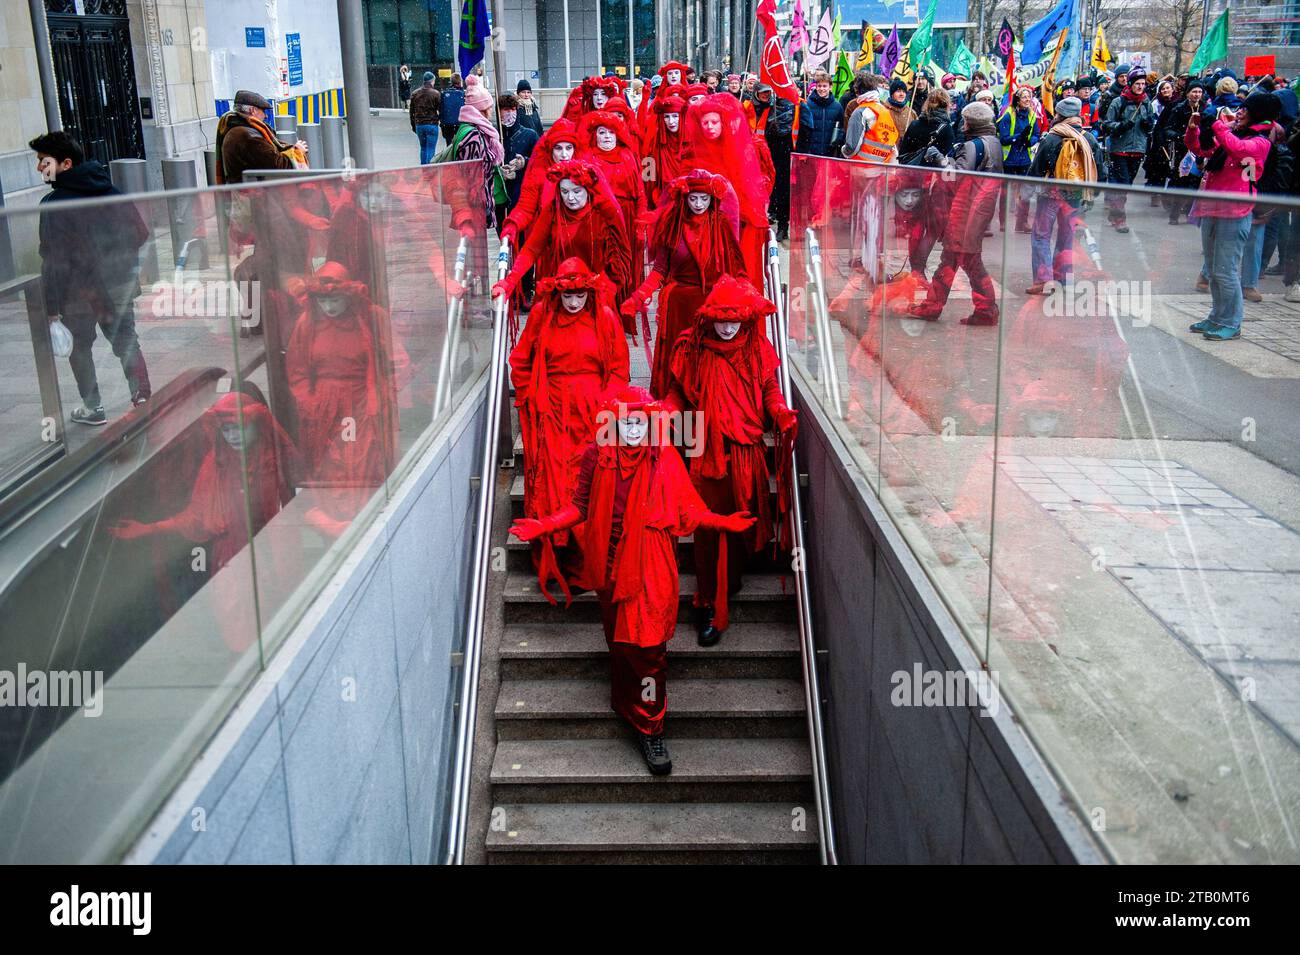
pixel 1173 27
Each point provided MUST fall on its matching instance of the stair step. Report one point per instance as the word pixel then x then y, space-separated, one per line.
pixel 518 448
pixel 667 828
pixel 695 699
pixel 522 588
pixel 562 641
pixel 517 488
pixel 592 761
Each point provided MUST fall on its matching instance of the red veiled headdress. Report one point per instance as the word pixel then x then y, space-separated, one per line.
pixel 627 399
pixel 734 300
pixel 716 244
pixel 608 119
pixel 575 275
pixel 670 100
pixel 696 89
pixel 561 131
pixel 332 278
pixel 673 65
pixel 580 172
pixel 732 154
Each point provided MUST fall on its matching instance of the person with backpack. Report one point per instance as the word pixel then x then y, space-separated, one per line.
pixel 974 202
pixel 475 137
pixel 453 98
pixel 1241 147
pixel 90 269
pixel 1069 152
pixel 1128 123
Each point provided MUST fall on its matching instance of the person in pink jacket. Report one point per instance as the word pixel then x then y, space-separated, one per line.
pixel 1233 163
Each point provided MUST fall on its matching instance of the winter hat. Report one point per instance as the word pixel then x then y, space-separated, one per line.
pixel 1068 107
pixel 523 85
pixel 655 81
pixel 734 300
pixel 1122 69
pixel 428 76
pixel 1137 73
pixel 1226 84
pixel 1263 106
pixel 977 113
pixel 896 85
pixel 984 95
pixel 477 96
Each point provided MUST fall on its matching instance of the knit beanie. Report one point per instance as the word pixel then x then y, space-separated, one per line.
pixel 477 96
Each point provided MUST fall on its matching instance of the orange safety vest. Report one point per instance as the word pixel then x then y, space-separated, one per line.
pixel 880 142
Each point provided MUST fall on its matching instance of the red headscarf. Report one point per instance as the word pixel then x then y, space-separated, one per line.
pixel 731 154
pixel 715 238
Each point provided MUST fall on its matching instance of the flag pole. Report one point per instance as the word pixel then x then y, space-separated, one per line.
pixel 749 52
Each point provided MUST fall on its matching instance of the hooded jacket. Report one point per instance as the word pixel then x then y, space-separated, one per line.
pixel 817 122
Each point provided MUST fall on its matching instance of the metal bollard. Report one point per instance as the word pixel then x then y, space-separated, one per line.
pixel 210 165
pixel 331 132
pixel 131 176
pixel 7 270
pixel 310 133
pixel 285 121
pixel 187 249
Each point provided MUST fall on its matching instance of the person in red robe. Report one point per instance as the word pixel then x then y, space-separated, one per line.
pixel 696 241
pixel 725 369
pixel 581 220
pixel 558 144
pixel 571 357
pixel 634 496
pixel 242 482
pixel 606 145
pixel 664 144
pixel 718 138
pixel 344 371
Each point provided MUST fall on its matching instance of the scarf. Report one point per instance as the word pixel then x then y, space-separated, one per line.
pixel 491 138
pixel 1132 97
pixel 1072 129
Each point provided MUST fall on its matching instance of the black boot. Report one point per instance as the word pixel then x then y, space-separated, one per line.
pixel 654 750
pixel 708 633
pixel 783 232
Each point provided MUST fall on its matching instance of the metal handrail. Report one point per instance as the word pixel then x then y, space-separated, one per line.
pixel 822 323
pixel 807 649
pixel 462 768
pixel 450 344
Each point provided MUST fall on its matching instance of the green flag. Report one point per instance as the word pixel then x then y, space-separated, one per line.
pixel 962 62
pixel 843 76
pixel 1213 47
pixel 919 46
pixel 836 37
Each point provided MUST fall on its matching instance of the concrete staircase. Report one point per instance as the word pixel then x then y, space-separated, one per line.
pixel 568 783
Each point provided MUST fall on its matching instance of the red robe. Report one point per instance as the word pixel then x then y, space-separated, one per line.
pixel 562 369
pixel 594 233
pixel 630 551
pixel 621 170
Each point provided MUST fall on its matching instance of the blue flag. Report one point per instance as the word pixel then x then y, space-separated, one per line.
pixel 475 28
pixel 1037 36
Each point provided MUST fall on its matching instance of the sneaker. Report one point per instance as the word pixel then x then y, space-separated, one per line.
pixel 1220 333
pixel 1293 293
pixel 1121 229
pixel 1202 284
pixel 138 399
pixel 1251 295
pixel 94 417
pixel 654 750
pixel 1200 327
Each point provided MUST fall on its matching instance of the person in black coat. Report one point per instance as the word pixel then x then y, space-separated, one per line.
pixel 453 98
pixel 90 268
pixel 776 117
pixel 820 118
pixel 932 126
pixel 530 114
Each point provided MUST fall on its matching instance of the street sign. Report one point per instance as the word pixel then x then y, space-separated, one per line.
pixel 254 36
pixel 293 46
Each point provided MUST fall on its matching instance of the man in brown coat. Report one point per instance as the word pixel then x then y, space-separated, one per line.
pixel 246 141
pixel 426 114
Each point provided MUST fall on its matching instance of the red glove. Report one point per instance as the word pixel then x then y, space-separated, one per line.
pixel 530 528
pixel 633 305
pixel 506 287
pixel 455 289
pixel 508 231
pixel 467 230
pixel 130 530
pixel 787 420
pixel 734 523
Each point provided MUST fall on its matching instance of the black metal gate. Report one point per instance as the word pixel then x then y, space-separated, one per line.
pixel 96 76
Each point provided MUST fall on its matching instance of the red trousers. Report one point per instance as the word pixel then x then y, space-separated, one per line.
pixel 719 496
pixel 638 676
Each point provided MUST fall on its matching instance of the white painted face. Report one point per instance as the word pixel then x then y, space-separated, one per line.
pixel 633 428
pixel 599 98
pixel 573 302
pixel 699 202
pixel 572 195
pixel 606 139
pixel 726 330
pixel 233 434
pixel 332 305
pixel 673 77
pixel 672 121
pixel 695 99
pixel 561 152
pixel 711 125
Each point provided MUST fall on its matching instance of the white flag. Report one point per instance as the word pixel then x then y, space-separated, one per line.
pixel 819 48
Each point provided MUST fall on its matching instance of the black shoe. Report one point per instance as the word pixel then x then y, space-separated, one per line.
pixel 95 417
pixel 654 750
pixel 708 633
pixel 783 234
